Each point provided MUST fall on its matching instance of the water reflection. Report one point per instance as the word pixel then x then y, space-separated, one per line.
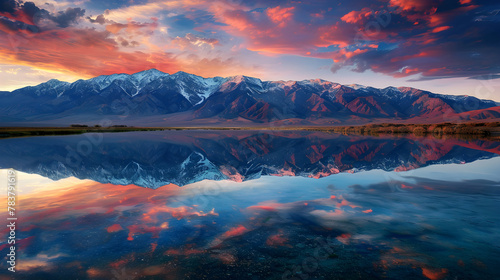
pixel 404 217
pixel 347 226
pixel 154 159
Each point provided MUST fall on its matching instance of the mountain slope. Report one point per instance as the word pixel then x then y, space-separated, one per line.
pixel 155 97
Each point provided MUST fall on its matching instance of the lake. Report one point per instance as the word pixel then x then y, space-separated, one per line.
pixel 252 205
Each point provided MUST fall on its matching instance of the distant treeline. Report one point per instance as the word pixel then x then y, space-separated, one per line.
pixel 483 129
pixel 466 130
pixel 84 125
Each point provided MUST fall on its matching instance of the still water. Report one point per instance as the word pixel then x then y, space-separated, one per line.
pixel 252 205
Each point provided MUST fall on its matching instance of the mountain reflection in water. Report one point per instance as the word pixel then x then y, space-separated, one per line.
pixel 155 159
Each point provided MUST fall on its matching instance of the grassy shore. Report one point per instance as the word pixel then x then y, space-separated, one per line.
pixel 39 131
pixel 490 129
pixel 480 129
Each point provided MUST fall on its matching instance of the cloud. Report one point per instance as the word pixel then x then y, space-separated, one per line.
pixel 100 19
pixel 98 54
pixel 217 66
pixel 68 17
pixel 8 6
pixel 131 27
pixel 357 16
pixel 276 31
pixel 416 5
pixel 382 39
pixel 29 14
pixel 486 77
pixel 280 15
pixel 193 40
pixel 432 39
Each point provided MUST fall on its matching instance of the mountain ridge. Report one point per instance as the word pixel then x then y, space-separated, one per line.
pixel 130 97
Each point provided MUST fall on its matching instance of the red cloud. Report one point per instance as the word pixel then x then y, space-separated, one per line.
pixel 114 228
pixel 416 5
pixel 277 240
pixel 134 230
pixel 19 16
pixel 357 16
pixel 239 230
pixel 440 28
pixel 344 54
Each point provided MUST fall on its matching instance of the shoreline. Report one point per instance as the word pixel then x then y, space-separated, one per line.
pixel 480 130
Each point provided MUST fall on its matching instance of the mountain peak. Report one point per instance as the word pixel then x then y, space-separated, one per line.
pixel 152 71
pixel 391 88
pixel 182 73
pixel 53 83
pixel 236 79
pixel 241 78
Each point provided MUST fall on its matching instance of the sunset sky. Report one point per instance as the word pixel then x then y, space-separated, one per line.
pixel 447 46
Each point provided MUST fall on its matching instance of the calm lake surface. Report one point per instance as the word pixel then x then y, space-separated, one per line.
pixel 252 205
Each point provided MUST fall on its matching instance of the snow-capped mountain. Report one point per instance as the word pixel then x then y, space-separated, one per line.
pixel 153 93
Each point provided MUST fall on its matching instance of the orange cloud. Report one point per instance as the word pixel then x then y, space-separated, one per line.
pixel 97 54
pixel 280 15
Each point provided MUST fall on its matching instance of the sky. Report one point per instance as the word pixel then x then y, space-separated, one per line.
pixel 445 46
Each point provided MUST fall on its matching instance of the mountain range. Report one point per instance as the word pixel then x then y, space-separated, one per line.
pixel 155 98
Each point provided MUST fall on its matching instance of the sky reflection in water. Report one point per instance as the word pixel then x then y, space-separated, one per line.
pixel 434 222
